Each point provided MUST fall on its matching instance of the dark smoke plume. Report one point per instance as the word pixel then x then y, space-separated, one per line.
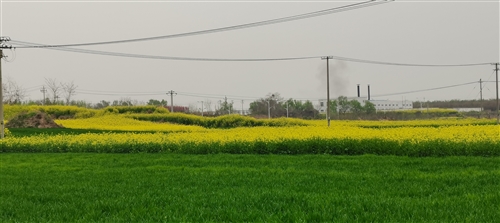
pixel 339 81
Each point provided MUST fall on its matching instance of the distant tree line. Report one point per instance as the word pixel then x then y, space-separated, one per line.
pixel 489 104
pixel 274 105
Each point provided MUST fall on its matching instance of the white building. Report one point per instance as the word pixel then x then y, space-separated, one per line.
pixel 384 105
pixel 380 105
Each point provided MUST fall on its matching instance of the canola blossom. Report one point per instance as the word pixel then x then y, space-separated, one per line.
pixel 121 123
pixel 408 123
pixel 346 139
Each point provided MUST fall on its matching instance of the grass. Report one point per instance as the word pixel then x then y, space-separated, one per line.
pixel 195 188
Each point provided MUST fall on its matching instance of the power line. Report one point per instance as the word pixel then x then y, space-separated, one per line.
pixel 228 28
pixel 216 96
pixel 429 89
pixel 119 94
pixel 142 56
pixel 122 92
pixel 407 64
pixel 484 83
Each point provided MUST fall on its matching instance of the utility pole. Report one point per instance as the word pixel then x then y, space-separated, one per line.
pixel 201 108
pixel 2 46
pixel 241 107
pixel 498 114
pixel 171 93
pixel 220 109
pixel 327 58
pixel 226 106
pixel 231 108
pixel 287 109
pixel 481 93
pixel 268 110
pixel 43 90
pixel 1 97
pixel 269 107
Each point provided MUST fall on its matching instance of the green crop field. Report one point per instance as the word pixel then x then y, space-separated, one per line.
pixel 144 164
pixel 79 187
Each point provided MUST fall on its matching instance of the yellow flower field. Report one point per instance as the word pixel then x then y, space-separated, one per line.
pixel 121 123
pixel 451 137
pixel 410 123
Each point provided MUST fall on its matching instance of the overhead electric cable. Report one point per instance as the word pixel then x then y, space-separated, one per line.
pixel 484 83
pixel 106 53
pixel 430 89
pixel 121 94
pixel 228 28
pixel 215 96
pixel 220 96
pixel 407 64
pixel 142 56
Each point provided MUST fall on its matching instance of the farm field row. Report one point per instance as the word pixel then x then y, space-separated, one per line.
pixel 442 138
pixel 75 187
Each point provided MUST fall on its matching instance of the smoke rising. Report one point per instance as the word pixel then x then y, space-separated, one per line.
pixel 339 81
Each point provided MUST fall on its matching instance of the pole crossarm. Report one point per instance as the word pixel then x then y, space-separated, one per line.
pixel 172 94
pixel 3 45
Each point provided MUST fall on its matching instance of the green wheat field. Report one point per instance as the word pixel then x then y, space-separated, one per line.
pixel 73 187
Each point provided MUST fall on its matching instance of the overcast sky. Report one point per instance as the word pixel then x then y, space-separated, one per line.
pixel 411 32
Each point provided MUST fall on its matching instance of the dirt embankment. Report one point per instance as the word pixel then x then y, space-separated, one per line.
pixel 35 119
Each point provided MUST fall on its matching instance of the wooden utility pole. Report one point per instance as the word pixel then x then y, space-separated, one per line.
pixel 1 98
pixel 498 114
pixel 481 92
pixel 327 58
pixel 171 93
pixel 2 46
pixel 43 90
pixel 202 111
pixel 242 107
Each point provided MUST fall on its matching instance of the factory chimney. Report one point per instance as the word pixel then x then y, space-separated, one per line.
pixel 358 91
pixel 368 92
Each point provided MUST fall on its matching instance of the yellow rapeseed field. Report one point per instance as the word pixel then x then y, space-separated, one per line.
pixel 408 123
pixel 421 138
pixel 120 122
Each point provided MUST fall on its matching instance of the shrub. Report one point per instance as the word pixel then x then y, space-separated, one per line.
pixel 226 121
pixel 6 132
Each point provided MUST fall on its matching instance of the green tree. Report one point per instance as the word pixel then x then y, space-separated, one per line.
pixel 296 108
pixel 356 107
pixel 274 102
pixel 102 104
pixel 157 102
pixel 309 111
pixel 225 107
pixel 369 108
pixel 333 107
pixel 343 104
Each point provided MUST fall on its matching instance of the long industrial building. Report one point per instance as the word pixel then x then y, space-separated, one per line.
pixel 380 105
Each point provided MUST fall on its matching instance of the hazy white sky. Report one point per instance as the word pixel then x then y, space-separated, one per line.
pixel 417 32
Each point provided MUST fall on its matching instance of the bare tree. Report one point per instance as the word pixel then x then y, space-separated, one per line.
pixel 69 90
pixel 54 88
pixel 208 106
pixel 193 108
pixel 12 92
pixel 126 101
